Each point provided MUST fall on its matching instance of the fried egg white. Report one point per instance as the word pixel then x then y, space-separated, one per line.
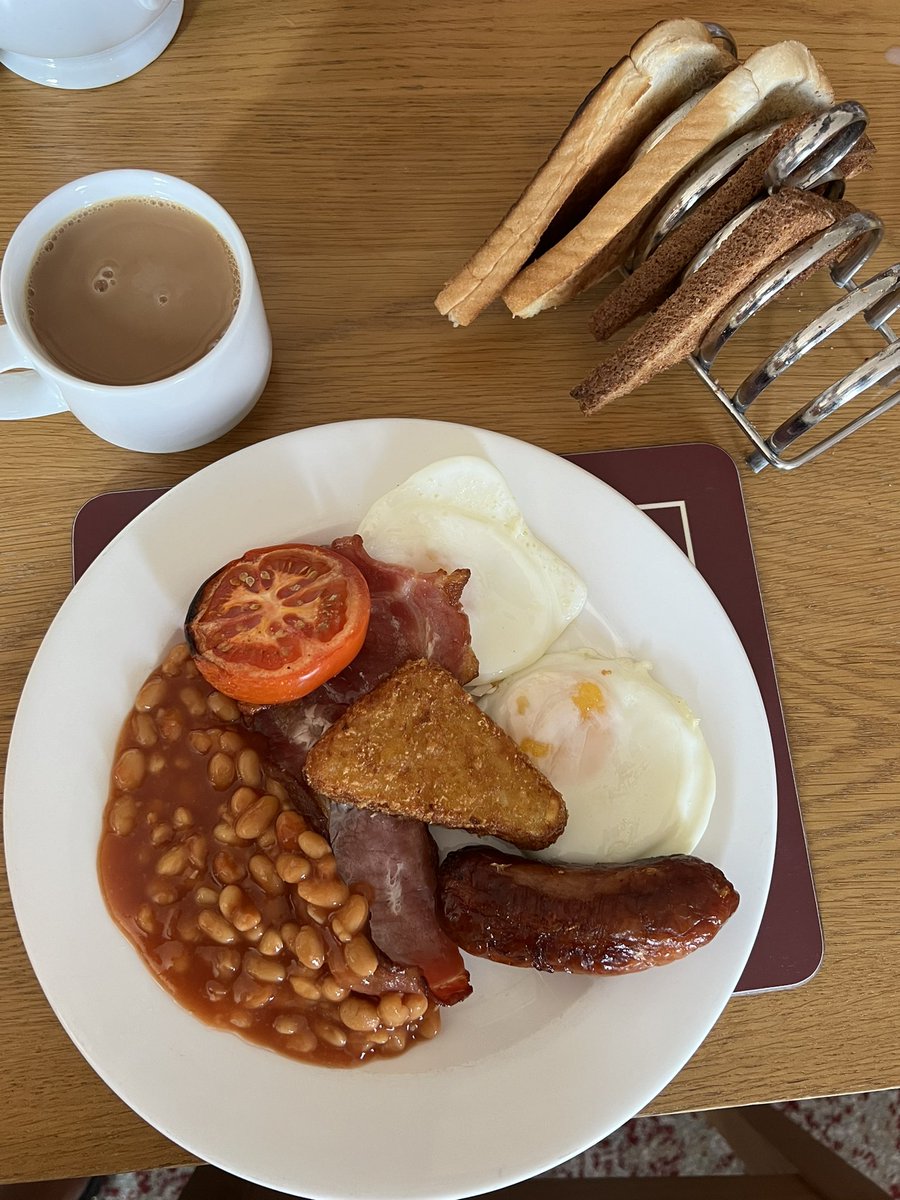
pixel 627 755
pixel 460 512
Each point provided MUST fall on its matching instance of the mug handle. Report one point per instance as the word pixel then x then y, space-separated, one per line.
pixel 24 392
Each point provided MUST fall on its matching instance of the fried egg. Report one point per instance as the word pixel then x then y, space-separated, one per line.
pixel 460 512
pixel 627 756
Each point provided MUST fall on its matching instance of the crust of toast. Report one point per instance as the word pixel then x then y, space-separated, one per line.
pixel 776 82
pixel 419 746
pixel 677 327
pixel 667 64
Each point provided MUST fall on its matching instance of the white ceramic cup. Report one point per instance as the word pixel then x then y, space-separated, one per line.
pixel 84 43
pixel 187 409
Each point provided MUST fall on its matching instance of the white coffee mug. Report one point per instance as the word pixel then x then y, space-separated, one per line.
pixel 84 43
pixel 187 409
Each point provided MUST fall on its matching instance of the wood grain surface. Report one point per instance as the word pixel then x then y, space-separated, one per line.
pixel 365 150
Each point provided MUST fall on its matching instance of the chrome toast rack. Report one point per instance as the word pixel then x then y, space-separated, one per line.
pixel 811 160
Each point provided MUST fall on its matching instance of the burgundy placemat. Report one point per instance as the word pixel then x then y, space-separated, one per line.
pixel 693 492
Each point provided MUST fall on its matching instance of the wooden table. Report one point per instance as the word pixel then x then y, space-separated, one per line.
pixel 365 150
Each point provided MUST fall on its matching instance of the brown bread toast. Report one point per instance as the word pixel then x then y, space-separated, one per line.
pixel 658 275
pixel 419 746
pixel 677 327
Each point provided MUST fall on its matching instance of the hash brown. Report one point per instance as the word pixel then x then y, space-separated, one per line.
pixel 419 746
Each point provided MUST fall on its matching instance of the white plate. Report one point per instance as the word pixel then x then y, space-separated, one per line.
pixel 533 1068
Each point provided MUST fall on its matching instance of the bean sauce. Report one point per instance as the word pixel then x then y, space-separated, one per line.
pixel 233 902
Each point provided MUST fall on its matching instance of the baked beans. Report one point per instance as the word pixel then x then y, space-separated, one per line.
pixel 231 899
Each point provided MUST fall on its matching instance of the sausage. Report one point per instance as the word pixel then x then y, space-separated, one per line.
pixel 594 920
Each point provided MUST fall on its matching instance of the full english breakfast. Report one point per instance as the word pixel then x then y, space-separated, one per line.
pixel 268 844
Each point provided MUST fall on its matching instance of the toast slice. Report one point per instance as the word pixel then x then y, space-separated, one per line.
pixel 670 62
pixel 775 83
pixel 676 329
pixel 657 277
pixel 419 746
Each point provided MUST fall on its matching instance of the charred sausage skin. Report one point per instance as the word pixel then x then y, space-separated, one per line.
pixel 593 920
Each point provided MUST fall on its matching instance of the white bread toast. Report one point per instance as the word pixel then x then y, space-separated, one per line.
pixel 775 83
pixel 669 63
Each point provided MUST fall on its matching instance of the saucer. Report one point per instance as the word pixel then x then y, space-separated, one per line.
pixel 106 67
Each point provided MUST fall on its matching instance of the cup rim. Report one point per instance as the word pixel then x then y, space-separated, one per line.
pixel 225 225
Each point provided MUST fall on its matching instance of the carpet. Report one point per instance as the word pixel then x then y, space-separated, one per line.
pixel 864 1129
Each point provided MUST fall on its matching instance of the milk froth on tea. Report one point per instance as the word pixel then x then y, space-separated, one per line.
pixel 131 291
